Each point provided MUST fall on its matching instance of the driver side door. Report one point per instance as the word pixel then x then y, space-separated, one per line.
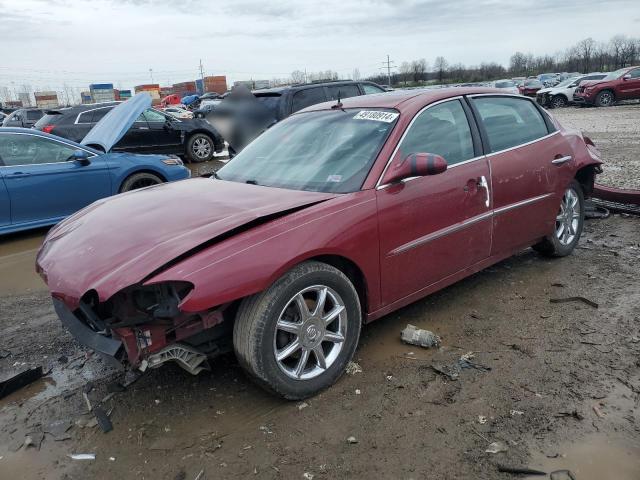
pixel 435 226
pixel 42 183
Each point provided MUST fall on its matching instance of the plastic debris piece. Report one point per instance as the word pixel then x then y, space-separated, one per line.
pixel 516 412
pixel 584 300
pixel 497 447
pixel 103 419
pixel 358 392
pixel 19 381
pixel 308 476
pixel 353 368
pixel 303 405
pixel 83 456
pixel 352 440
pixel 520 470
pixel 422 338
pixel 482 419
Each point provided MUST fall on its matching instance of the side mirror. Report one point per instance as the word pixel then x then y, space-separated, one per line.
pixel 81 157
pixel 415 165
pixel 626 76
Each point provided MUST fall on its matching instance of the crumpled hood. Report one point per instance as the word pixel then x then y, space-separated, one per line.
pixel 108 131
pixel 117 242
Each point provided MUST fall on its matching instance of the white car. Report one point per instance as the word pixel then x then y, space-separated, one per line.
pixel 507 86
pixel 562 94
pixel 178 112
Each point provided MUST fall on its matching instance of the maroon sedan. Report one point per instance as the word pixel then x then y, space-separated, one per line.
pixel 333 218
pixel 530 87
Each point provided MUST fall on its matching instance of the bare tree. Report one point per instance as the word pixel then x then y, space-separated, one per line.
pixel 585 49
pixel 298 76
pixel 405 71
pixel 440 67
pixel 419 68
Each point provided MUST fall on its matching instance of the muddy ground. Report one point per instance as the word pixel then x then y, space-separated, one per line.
pixel 562 392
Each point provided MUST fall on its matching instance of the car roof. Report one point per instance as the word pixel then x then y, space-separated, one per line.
pixel 280 90
pixel 403 99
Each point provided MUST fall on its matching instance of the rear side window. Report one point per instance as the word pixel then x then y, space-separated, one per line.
pixel 343 91
pixel 99 114
pixel 34 114
pixel 442 129
pixel 510 121
pixel 85 117
pixel 307 97
pixel 635 73
pixel 271 102
pixel 369 89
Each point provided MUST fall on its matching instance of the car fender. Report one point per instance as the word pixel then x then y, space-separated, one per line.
pixel 251 261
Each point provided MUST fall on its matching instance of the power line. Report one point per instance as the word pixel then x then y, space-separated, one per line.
pixel 388 64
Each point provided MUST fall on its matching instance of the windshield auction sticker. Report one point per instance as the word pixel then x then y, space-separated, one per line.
pixel 386 117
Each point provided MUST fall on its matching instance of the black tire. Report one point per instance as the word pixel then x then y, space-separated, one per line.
pixel 553 245
pixel 559 101
pixel 200 148
pixel 605 98
pixel 140 180
pixel 255 335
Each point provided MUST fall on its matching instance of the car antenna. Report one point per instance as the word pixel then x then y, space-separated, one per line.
pixel 338 103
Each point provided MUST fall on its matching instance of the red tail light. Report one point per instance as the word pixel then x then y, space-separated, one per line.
pixel 47 128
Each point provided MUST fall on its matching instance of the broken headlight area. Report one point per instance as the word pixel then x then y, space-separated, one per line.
pixel 153 330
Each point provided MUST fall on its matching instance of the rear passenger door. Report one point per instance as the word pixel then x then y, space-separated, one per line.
pixel 630 87
pixel 521 146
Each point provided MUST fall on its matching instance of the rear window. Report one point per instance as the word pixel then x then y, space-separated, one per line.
pixel 343 91
pixel 34 114
pixel 307 97
pixel 48 119
pixel 510 121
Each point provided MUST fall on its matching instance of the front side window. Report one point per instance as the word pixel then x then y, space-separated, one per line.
pixel 443 130
pixel 343 91
pixel 18 149
pixel 34 114
pixel 510 121
pixel 635 73
pixel 307 97
pixel 616 74
pixel 99 114
pixel 154 117
pixel 322 151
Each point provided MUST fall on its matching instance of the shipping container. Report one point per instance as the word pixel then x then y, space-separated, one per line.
pixel 46 99
pixel 101 86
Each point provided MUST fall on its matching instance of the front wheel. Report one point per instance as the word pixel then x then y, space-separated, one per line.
pixel 568 225
pixel 605 99
pixel 296 338
pixel 558 101
pixel 139 180
pixel 200 148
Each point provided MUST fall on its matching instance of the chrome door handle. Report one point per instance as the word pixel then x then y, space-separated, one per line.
pixel 561 160
pixel 482 183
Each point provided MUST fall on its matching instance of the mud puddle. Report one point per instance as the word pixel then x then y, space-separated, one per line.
pixel 594 458
pixel 17 263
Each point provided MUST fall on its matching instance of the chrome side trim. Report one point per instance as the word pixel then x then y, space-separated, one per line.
pixel 439 233
pixel 522 203
pixel 560 161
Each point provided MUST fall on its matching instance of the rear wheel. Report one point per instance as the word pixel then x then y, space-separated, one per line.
pixel 296 337
pixel 139 180
pixel 568 226
pixel 200 148
pixel 605 98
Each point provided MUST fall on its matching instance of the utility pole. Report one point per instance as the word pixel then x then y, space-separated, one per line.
pixel 151 73
pixel 202 75
pixel 388 65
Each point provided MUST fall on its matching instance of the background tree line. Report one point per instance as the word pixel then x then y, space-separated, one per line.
pixel 584 57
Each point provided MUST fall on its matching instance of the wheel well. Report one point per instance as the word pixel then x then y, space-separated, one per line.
pixel 608 90
pixel 159 175
pixel 562 95
pixel 353 273
pixel 217 140
pixel 586 177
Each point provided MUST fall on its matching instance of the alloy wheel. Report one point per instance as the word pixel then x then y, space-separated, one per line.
pixel 606 98
pixel 568 217
pixel 201 148
pixel 310 332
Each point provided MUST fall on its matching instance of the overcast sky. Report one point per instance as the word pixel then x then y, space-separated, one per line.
pixel 51 42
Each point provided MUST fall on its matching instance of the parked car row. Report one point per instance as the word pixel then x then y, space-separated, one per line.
pixel 623 84
pixel 562 94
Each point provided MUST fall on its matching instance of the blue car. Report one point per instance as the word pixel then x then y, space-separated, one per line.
pixel 44 178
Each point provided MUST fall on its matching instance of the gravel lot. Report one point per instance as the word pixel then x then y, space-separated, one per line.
pixel 616 132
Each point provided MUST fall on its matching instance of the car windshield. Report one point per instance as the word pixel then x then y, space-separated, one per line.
pixel 616 74
pixel 505 84
pixel 323 151
pixel 532 83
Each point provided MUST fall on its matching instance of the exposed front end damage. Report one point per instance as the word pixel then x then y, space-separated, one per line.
pixel 142 326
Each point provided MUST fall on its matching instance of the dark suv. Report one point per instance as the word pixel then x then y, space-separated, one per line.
pixel 23 117
pixel 152 132
pixel 239 122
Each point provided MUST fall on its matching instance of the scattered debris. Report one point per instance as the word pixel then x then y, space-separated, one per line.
pixel 562 475
pixel 520 470
pixel 353 368
pixel 574 413
pixel 58 430
pixel 598 412
pixel 33 440
pixel 422 338
pixel 200 474
pixel 482 419
pixel 88 387
pixel 358 392
pixel 103 419
pixel 352 440
pixel 112 459
pixel 516 412
pixel 303 405
pixel 308 476
pixel 82 456
pixel 19 381
pixel 584 300
pixel 497 447
pixel 465 362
